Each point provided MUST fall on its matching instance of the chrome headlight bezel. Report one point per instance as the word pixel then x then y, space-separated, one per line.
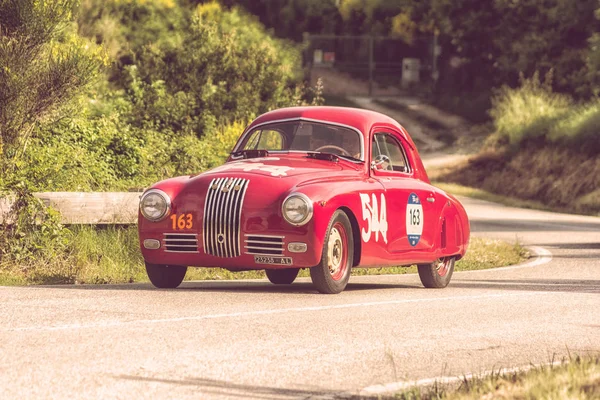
pixel 165 211
pixel 309 209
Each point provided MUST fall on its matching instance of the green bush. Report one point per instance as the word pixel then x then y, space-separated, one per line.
pixel 528 111
pixel 580 126
pixel 534 111
pixel 183 84
pixel 30 232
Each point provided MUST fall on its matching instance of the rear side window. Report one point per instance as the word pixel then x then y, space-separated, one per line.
pixel 387 146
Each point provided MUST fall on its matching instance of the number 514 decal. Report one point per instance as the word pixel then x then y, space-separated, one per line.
pixel 375 215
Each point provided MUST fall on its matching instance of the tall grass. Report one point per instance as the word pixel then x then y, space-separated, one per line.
pixel 533 110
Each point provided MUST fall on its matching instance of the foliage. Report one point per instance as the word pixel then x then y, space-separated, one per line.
pixel 30 231
pixel 529 110
pixel 484 44
pixel 185 69
pixel 183 84
pixel 534 110
pixel 43 65
pixel 593 60
pixel 291 18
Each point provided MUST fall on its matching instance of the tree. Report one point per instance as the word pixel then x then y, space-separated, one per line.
pixel 43 65
pixel 497 40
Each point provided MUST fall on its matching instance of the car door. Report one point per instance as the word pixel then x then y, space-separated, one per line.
pixel 411 204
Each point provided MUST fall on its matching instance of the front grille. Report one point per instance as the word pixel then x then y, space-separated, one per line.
pixel 222 215
pixel 263 245
pixel 181 242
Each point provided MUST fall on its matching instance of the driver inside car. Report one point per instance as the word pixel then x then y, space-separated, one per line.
pixel 320 137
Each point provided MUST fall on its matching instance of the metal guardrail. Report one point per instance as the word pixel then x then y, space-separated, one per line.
pixel 88 208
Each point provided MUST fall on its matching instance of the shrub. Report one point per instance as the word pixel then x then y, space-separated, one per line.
pixel 580 127
pixel 528 111
pixel 534 111
pixel 30 231
pixel 43 66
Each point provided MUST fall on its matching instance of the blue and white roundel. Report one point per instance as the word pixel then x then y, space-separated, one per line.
pixel 414 219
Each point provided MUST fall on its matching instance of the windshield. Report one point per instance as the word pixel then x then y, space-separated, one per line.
pixel 304 136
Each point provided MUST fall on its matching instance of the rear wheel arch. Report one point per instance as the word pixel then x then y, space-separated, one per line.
pixel 355 234
pixel 450 233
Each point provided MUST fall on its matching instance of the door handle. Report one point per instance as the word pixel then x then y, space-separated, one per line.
pixel 431 199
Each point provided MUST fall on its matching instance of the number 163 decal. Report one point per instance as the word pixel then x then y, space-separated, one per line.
pixel 414 219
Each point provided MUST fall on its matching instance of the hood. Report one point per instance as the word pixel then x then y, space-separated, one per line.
pixel 281 167
pixel 275 174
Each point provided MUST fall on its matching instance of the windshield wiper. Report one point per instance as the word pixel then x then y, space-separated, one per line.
pixel 350 157
pixel 250 153
pixel 317 155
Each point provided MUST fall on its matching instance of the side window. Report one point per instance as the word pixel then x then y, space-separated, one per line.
pixel 388 154
pixel 265 140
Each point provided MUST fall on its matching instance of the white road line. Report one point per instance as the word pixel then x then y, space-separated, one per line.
pixel 543 256
pixel 107 324
pixel 394 387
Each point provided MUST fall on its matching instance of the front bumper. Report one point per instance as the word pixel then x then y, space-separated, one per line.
pixel 257 250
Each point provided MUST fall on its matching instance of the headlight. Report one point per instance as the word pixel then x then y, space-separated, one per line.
pixel 297 209
pixel 155 205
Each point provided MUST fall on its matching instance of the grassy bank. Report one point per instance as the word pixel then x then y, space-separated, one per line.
pixel 112 256
pixel 578 378
pixel 545 150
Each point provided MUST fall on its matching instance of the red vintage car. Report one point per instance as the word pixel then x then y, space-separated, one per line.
pixel 324 188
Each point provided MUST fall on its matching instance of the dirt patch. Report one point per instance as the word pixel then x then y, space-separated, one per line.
pixel 558 176
pixel 343 84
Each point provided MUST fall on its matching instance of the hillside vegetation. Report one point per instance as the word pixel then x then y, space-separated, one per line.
pixel 546 148
pixel 484 44
pixel 118 94
pixel 180 83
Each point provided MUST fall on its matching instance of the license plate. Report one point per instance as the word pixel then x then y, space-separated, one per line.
pixel 273 260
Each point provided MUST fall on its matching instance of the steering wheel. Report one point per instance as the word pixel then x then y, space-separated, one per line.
pixel 331 146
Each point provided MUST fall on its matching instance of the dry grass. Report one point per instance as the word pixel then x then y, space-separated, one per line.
pixel 577 379
pixel 546 175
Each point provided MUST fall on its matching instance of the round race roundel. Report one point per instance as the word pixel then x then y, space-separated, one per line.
pixel 414 219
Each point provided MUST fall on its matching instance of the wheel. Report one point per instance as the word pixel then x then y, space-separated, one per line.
pixel 282 276
pixel 438 273
pixel 332 274
pixel 165 276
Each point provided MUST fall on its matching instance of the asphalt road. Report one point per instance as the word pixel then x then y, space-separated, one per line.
pixel 254 340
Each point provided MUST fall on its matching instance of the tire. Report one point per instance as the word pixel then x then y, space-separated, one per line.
pixel 437 274
pixel 165 276
pixel 282 276
pixel 332 274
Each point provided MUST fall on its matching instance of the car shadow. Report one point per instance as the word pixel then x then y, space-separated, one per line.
pixel 228 389
pixel 532 285
pixel 233 286
pixel 571 246
pixel 594 256
pixel 531 225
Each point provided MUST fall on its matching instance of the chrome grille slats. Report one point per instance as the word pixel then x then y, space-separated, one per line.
pixel 264 245
pixel 222 216
pixel 180 242
pixel 238 216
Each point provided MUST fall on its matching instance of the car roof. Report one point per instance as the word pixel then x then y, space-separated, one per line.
pixel 357 118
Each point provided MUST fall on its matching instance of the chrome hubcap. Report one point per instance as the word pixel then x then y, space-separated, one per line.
pixel 442 265
pixel 335 251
